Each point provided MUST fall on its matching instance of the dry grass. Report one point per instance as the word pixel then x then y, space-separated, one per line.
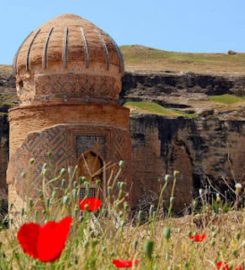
pixel 140 58
pixel 95 240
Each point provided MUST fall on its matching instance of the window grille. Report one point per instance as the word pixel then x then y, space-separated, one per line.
pixel 87 192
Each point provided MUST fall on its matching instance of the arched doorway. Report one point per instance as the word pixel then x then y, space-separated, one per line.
pixel 90 166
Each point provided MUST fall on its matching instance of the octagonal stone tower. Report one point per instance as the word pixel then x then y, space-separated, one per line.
pixel 68 79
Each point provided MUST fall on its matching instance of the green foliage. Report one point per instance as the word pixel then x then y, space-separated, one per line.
pixel 227 99
pixel 154 108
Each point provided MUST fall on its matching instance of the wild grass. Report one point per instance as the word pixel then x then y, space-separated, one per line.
pixel 227 99
pixel 142 58
pixel 161 242
pixel 154 108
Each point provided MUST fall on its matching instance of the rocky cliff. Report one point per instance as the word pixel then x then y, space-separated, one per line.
pixel 201 137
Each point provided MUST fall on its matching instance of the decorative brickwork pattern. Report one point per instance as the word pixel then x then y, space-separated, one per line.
pixel 65 143
pixel 75 86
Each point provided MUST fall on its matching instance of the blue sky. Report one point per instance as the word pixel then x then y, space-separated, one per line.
pixel 174 25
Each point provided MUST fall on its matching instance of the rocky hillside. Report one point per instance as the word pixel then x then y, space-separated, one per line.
pixel 187 122
pixel 179 121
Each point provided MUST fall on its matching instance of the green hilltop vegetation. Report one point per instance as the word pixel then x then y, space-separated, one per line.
pixel 154 108
pixel 141 58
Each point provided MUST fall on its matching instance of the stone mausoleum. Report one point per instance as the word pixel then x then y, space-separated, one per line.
pixel 68 76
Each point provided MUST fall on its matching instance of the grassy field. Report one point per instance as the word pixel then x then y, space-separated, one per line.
pixel 140 58
pixel 210 234
pixel 154 108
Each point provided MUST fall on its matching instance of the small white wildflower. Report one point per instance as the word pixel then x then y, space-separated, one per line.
pixel 200 192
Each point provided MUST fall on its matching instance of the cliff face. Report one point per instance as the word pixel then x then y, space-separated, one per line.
pixel 205 149
pixel 161 84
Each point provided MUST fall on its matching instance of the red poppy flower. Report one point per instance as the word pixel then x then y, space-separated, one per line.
pixel 239 268
pixel 125 263
pixel 45 242
pixel 222 266
pixel 198 237
pixel 92 204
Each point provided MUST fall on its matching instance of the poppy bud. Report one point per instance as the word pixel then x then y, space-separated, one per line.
pixel 125 206
pixel 121 163
pixel 36 214
pixel 238 236
pixel 70 170
pixel 54 193
pixel 148 249
pixel 121 185
pixel 140 216
pixel 166 233
pixel 62 172
pixel 109 190
pixel 167 178
pixel 31 161
pixel 176 174
pixel 94 243
pixel 194 204
pixel 63 182
pixel 65 200
pixel 30 203
pixel 151 210
pixel 82 179
pixel 98 182
pixel 76 211
pixel 135 244
pixel 44 169
pixel 74 194
pixel 49 154
pixel 235 253
pixel 48 202
pixel 74 184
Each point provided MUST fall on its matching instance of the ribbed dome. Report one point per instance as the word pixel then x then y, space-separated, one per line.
pixel 68 58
